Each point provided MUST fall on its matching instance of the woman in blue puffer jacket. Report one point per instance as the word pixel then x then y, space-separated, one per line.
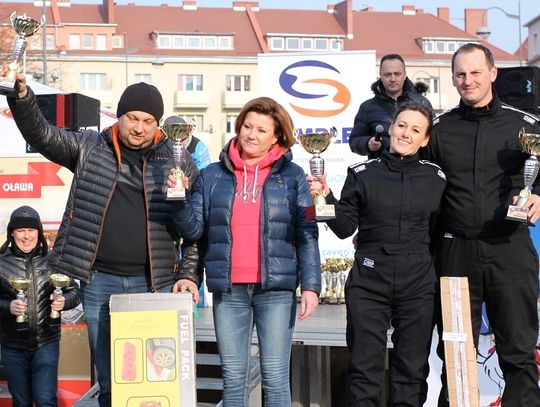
pixel 259 246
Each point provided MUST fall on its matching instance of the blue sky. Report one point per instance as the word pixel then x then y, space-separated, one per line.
pixel 504 30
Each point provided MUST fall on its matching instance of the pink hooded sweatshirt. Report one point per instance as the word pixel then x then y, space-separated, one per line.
pixel 246 213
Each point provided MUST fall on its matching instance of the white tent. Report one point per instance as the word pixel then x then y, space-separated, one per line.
pixel 12 143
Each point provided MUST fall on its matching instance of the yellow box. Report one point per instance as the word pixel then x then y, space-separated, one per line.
pixel 459 351
pixel 152 350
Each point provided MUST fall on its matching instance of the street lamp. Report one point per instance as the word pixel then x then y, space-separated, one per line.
pixel 157 60
pixel 484 32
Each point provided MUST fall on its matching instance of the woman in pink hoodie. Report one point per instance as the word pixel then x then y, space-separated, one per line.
pixel 251 206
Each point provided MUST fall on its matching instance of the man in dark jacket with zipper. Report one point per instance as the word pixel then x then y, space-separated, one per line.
pixel 30 348
pixel 119 234
pixel 478 147
pixel 369 135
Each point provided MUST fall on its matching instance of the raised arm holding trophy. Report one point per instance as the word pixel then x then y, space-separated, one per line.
pixel 178 132
pixel 317 143
pixel 24 27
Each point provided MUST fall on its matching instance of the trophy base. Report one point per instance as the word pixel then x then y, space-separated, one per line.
pixel 321 213
pixel 176 194
pixel 8 86
pixel 517 214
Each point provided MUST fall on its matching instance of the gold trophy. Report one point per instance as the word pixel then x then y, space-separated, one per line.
pixel 59 281
pixel 24 27
pixel 178 132
pixel 21 284
pixel 317 143
pixel 530 143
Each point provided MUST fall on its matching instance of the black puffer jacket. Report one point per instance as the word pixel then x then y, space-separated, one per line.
pixel 380 109
pixel 93 159
pixel 14 263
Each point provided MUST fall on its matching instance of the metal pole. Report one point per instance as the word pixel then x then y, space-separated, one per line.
pixel 43 12
pixel 520 43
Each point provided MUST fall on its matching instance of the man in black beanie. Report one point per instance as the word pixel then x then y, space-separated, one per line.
pixel 119 234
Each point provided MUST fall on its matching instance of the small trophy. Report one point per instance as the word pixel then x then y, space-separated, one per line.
pixel 178 132
pixel 24 27
pixel 59 281
pixel 317 143
pixel 530 143
pixel 21 284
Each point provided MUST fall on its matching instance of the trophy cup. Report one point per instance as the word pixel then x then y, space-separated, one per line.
pixel 178 132
pixel 21 284
pixel 530 143
pixel 24 27
pixel 317 143
pixel 59 281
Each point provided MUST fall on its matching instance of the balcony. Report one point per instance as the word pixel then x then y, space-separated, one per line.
pixel 236 100
pixel 187 99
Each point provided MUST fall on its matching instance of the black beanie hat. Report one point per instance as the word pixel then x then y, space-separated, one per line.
pixel 141 97
pixel 24 217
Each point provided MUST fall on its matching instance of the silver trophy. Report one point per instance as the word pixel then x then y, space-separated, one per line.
pixel 59 281
pixel 530 143
pixel 24 27
pixel 178 132
pixel 317 143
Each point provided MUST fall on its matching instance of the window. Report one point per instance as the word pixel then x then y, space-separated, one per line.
pixel 335 44
pixel 230 123
pixel 101 42
pixel 179 41
pixel 321 44
pixel 117 41
pixel 36 42
pixel 143 77
pixel 307 44
pixel 93 81
pixel 74 41
pixel 439 47
pixel 210 42
pixel 164 41
pixel 225 42
pixel 452 47
pixel 277 43
pixel 88 41
pixel 190 82
pixel 194 42
pixel 293 44
pixel 237 83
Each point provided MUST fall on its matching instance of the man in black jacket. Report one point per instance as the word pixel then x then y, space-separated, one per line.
pixel 119 234
pixel 369 135
pixel 30 349
pixel 478 148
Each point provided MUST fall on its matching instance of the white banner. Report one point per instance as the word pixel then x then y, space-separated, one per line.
pixel 320 91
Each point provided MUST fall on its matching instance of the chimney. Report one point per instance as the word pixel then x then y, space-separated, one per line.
pixel 108 5
pixel 245 5
pixel 443 13
pixel 345 16
pixel 189 4
pixel 474 19
pixel 408 10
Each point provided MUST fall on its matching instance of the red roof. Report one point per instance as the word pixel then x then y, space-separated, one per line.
pixel 386 32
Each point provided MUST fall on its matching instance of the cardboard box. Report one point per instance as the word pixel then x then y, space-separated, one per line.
pixel 152 350
pixel 459 351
